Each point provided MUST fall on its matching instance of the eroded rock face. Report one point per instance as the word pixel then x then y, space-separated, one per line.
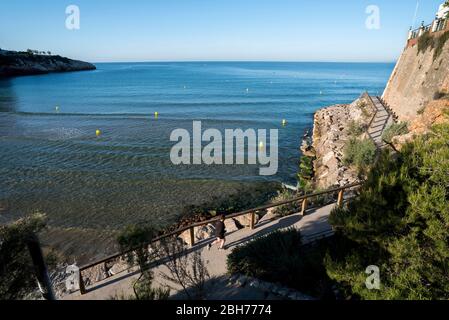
pixel 416 79
pixel 330 135
pixel 433 114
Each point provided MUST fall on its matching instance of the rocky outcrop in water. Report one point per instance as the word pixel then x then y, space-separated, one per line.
pixel 14 63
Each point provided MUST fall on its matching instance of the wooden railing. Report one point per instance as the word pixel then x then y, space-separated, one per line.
pixel 304 200
pixel 374 116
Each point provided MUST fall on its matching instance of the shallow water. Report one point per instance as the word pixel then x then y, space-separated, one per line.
pixel 52 161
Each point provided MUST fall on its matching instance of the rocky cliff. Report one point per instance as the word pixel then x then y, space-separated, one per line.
pixel 331 132
pixel 421 75
pixel 417 92
pixel 14 63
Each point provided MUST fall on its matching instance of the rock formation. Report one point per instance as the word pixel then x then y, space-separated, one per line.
pixel 330 134
pixel 420 76
pixel 14 63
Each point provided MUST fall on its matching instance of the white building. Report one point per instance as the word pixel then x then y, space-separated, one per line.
pixel 442 11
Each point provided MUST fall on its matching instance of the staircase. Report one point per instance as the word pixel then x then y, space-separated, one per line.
pixel 381 121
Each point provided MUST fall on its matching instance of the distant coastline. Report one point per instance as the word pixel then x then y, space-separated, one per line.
pixel 13 63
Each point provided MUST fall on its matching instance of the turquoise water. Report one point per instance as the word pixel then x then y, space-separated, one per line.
pixel 51 160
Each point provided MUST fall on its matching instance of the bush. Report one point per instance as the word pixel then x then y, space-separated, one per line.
pixel 280 258
pixel 360 153
pixel 399 222
pixel 287 209
pixel 425 42
pixel 305 173
pixel 363 106
pixel 396 129
pixel 355 129
pixel 136 238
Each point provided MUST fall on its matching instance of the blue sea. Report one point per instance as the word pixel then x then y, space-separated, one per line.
pixel 52 161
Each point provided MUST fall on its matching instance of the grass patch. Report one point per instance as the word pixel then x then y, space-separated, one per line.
pixel 396 129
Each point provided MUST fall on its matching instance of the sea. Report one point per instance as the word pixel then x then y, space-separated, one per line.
pixel 90 186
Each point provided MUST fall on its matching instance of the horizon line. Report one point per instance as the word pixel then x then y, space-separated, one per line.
pixel 247 61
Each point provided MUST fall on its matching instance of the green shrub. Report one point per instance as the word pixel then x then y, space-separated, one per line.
pixel 355 129
pixel 363 106
pixel 441 41
pixel 399 222
pixel 360 153
pixel 305 173
pixel 136 238
pixel 286 209
pixel 425 42
pixel 396 129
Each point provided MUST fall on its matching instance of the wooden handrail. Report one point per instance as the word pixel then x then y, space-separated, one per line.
pixel 203 223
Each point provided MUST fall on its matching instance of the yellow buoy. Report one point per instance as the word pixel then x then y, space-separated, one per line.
pixel 156 115
pixel 284 122
pixel 98 133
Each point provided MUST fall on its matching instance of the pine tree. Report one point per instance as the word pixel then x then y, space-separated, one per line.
pixel 400 223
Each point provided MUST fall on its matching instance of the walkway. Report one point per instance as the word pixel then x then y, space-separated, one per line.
pixel 382 120
pixel 314 222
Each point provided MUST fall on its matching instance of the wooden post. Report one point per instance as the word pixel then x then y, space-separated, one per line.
pixel 40 267
pixel 304 207
pixel 253 220
pixel 81 284
pixel 192 236
pixel 340 198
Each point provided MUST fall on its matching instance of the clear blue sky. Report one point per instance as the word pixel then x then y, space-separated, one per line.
pixel 181 30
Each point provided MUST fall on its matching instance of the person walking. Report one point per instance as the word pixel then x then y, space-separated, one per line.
pixel 220 232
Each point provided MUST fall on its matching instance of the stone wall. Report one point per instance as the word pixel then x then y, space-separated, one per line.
pixel 416 80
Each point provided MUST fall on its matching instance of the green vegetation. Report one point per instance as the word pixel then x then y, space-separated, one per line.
pixel 394 130
pixel 241 200
pixel 356 129
pixel 360 153
pixel 136 238
pixel 305 173
pixel 286 209
pixel 400 223
pixel 363 106
pixel 437 43
pixel 280 258
pixel 16 268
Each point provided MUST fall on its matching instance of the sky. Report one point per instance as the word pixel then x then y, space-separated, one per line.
pixel 207 30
